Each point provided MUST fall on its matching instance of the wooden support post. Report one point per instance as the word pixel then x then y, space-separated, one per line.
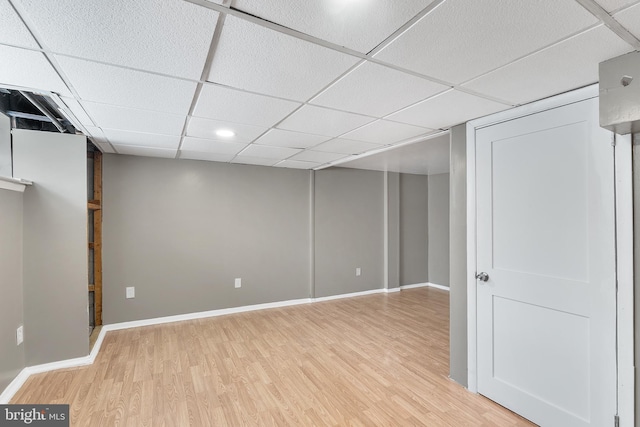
pixel 97 237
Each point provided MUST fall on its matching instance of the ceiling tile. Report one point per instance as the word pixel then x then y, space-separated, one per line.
pixel 146 151
pixel 77 110
pixel 221 103
pixel 560 68
pixel 287 138
pixel 386 132
pixel 613 5
pixel 211 157
pixel 462 39
pixel 112 117
pixel 105 148
pixel 269 152
pixel 254 161
pixel 211 146
pixel 29 69
pixel 630 19
pixel 296 164
pixel 428 157
pixel 12 29
pixel 322 121
pixel 254 58
pixel 166 36
pixel 108 84
pixel 119 137
pixel 206 128
pixel 376 90
pixel 359 25
pixel 448 109
pixel 318 156
pixel 97 136
pixel 346 146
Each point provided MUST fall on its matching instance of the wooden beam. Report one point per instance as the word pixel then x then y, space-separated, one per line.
pixel 97 238
pixel 94 205
pixel 92 288
pixel 91 245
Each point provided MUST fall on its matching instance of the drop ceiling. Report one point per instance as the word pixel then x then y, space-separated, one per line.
pixel 302 84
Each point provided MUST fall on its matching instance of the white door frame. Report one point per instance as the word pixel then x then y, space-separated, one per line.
pixel 624 246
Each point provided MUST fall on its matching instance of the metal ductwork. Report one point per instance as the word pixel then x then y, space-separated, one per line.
pixel 620 94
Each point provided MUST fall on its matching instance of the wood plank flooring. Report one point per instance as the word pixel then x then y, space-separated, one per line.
pixel 366 361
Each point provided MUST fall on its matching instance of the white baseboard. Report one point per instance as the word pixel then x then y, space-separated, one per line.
pixel 19 380
pixel 391 290
pixel 422 285
pixel 14 386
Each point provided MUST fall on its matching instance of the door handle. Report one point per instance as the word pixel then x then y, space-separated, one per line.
pixel 483 277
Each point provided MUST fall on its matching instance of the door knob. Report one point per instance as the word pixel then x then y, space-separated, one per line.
pixel 483 277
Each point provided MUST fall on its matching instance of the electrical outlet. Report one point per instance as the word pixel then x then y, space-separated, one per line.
pixel 358 271
pixel 131 292
pixel 238 282
pixel 19 335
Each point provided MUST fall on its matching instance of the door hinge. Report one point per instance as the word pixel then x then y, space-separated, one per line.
pixel 616 421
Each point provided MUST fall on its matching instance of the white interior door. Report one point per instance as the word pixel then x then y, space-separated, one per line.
pixel 546 320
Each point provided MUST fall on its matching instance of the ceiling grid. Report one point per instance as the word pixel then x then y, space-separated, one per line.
pixel 301 84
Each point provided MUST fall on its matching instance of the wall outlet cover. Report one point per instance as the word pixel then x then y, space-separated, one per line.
pixel 238 283
pixel 19 335
pixel 358 271
pixel 131 292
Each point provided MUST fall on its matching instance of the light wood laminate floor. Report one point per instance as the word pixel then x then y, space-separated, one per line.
pixel 365 361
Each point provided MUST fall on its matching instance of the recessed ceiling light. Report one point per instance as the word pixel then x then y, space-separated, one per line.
pixel 225 133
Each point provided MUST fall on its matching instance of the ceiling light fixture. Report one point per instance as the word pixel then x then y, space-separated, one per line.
pixel 225 133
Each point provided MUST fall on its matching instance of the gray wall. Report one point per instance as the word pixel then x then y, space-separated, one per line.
pixel 55 244
pixel 181 231
pixel 393 229
pixel 439 229
pixel 349 228
pixel 458 255
pixel 11 355
pixel 414 229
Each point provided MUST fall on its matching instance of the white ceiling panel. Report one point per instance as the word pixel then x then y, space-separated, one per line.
pixel 448 109
pixel 565 66
pixel 146 151
pixel 385 132
pixel 269 152
pixel 428 157
pixel 119 137
pixel 462 39
pixel 129 119
pixel 359 25
pixel 346 146
pixel 287 138
pixel 322 121
pixel 211 157
pixel 254 58
pixel 166 36
pixel 613 5
pixel 211 146
pixel 296 164
pixel 12 29
pixel 29 69
pixel 221 103
pixel 206 128
pixel 108 84
pixel 630 19
pixel 376 90
pixel 318 156
pixel 77 110
pixel 104 147
pixel 245 160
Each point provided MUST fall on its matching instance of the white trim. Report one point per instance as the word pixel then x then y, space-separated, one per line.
pixel 624 197
pixel 426 284
pixel 14 184
pixel 625 298
pixel 391 290
pixel 349 295
pixel 14 386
